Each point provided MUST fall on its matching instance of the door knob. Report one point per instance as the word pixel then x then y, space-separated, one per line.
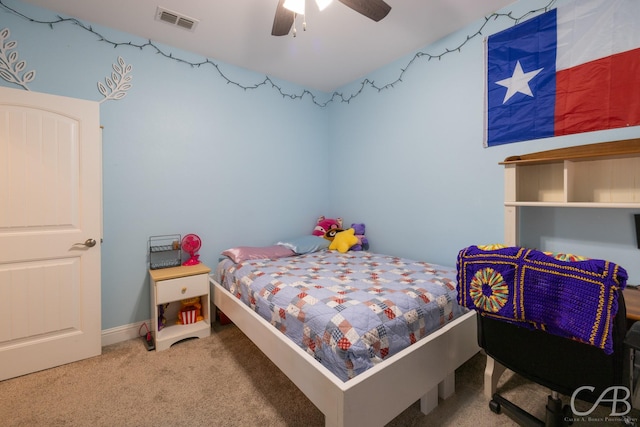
pixel 88 243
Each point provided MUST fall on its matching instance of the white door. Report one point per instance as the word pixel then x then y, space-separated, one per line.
pixel 50 206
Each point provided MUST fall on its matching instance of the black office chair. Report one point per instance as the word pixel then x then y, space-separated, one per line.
pixel 559 364
pixel 498 283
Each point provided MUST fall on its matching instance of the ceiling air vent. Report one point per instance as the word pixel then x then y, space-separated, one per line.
pixel 177 19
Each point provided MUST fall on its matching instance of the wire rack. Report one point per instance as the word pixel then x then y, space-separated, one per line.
pixel 164 251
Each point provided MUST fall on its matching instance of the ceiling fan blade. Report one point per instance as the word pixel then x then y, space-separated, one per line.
pixel 282 21
pixel 373 9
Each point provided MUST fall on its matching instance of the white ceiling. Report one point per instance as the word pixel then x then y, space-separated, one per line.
pixel 339 47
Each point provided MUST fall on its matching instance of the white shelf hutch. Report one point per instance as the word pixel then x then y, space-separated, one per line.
pixel 602 175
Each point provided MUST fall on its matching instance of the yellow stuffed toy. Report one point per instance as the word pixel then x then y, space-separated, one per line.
pixel 344 240
pixel 188 305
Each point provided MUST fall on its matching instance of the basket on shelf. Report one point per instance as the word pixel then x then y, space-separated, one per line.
pixel 164 251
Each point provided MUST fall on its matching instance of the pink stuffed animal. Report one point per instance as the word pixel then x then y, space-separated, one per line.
pixel 325 224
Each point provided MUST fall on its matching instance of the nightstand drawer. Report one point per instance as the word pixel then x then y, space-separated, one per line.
pixel 181 288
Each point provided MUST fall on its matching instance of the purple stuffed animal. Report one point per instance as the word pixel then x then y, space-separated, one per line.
pixel 363 242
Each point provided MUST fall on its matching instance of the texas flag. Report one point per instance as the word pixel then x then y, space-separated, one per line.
pixel 570 70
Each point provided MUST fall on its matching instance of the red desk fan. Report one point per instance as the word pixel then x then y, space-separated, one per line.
pixel 191 243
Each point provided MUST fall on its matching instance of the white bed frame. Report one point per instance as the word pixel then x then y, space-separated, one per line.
pixel 424 371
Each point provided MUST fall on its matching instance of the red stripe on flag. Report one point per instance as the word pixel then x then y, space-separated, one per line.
pixel 601 94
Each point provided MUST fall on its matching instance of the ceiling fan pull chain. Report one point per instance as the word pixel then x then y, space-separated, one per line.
pixel 295 15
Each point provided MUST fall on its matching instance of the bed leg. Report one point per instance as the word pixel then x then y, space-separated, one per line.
pixel 447 387
pixel 429 401
pixel 492 373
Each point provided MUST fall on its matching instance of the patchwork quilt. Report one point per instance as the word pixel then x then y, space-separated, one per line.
pixel 348 310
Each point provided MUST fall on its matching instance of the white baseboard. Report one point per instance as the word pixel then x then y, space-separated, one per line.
pixel 124 332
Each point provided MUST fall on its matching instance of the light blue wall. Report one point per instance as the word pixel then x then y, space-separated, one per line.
pixel 186 152
pixel 409 163
pixel 183 152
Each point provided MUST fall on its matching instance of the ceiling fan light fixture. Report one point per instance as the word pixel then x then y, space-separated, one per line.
pixel 322 4
pixel 296 6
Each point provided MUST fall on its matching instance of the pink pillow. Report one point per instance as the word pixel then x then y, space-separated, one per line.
pixel 243 253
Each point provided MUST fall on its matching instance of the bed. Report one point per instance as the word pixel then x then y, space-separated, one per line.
pixel 371 377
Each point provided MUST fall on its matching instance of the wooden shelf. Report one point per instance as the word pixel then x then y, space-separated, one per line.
pixel 172 333
pixel 604 175
pixel 581 152
pixel 632 302
pixel 596 175
pixel 180 271
pixel 576 205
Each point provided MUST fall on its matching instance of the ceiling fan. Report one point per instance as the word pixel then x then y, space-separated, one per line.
pixel 283 20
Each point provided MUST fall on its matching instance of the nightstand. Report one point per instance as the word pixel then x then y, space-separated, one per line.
pixel 170 286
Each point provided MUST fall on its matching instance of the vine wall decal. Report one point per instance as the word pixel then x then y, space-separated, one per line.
pixel 11 69
pixel 118 84
pixel 267 82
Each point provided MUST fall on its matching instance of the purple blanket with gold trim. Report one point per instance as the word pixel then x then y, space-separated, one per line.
pixel 568 296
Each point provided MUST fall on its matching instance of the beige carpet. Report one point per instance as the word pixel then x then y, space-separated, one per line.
pixel 223 380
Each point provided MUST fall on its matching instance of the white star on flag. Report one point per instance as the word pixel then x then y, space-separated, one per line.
pixel 518 82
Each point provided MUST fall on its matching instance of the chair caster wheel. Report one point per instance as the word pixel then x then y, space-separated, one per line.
pixel 566 411
pixel 494 406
